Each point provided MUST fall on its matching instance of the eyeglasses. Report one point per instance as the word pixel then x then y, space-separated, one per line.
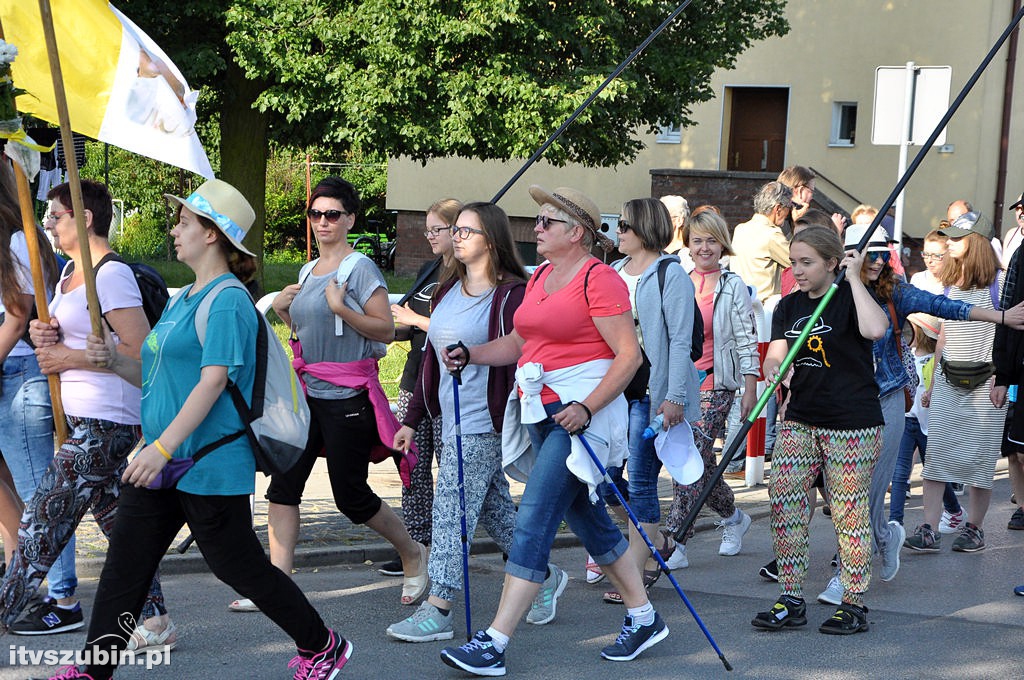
pixel 54 216
pixel 434 232
pixel 331 216
pixel 875 256
pixel 624 226
pixel 933 256
pixel 464 232
pixel 544 222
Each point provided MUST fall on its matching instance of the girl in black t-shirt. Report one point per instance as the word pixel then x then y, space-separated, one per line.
pixel 833 423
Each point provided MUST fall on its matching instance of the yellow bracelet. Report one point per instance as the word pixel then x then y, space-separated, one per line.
pixel 161 449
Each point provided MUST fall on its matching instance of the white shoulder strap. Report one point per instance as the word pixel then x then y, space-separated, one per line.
pixel 203 311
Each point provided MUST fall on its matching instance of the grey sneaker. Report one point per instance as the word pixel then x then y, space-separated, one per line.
pixel 891 553
pixel 543 608
pixel 833 593
pixel 425 625
pixel 924 540
pixel 971 539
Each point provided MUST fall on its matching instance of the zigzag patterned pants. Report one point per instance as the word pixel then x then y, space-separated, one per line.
pixel 847 458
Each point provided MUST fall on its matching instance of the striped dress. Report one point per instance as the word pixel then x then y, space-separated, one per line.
pixel 964 428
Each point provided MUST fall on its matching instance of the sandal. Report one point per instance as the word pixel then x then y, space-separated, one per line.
pixel 144 638
pixel 415 587
pixel 651 576
pixel 243 604
pixel 612 597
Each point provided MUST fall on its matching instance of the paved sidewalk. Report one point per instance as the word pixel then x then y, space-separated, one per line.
pixel 328 538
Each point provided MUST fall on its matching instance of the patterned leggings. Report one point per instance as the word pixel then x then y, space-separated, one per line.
pixel 714 409
pixel 847 458
pixel 84 474
pixel 487 502
pixel 418 498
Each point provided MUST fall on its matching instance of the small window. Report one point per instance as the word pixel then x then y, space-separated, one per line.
pixel 669 134
pixel 844 124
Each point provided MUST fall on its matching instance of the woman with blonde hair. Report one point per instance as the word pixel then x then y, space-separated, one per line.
pixel 729 362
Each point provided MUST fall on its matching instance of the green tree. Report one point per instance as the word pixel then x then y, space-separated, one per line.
pixel 486 79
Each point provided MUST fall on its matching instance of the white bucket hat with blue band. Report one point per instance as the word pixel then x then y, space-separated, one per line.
pixel 225 206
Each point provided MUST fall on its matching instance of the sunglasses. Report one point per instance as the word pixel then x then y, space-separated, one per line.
pixel 544 222
pixel 875 256
pixel 331 216
pixel 624 226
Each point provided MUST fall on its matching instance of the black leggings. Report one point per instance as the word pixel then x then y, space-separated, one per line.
pixel 147 522
pixel 345 430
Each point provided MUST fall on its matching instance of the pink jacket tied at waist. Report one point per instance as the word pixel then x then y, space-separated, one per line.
pixel 362 374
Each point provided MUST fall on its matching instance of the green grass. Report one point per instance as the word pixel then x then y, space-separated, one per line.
pixel 276 276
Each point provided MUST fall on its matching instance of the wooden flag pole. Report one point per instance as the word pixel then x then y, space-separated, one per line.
pixel 74 180
pixel 28 224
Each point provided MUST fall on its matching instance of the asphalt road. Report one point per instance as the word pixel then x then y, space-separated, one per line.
pixel 950 615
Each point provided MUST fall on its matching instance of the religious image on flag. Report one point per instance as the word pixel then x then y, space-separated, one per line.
pixel 121 87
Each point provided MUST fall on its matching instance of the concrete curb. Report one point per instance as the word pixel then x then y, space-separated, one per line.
pixel 192 562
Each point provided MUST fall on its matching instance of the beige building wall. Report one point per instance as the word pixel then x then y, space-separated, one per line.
pixel 829 55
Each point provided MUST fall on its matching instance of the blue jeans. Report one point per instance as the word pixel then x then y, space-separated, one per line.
pixel 643 465
pixel 913 438
pixel 26 442
pixel 552 493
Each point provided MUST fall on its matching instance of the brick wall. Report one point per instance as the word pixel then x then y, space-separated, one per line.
pixel 732 192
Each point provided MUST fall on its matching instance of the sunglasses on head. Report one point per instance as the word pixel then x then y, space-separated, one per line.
pixel 331 216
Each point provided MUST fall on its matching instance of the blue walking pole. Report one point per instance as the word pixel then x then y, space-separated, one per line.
pixel 456 381
pixel 650 546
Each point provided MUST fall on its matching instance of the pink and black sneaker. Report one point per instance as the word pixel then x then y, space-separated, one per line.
pixel 323 665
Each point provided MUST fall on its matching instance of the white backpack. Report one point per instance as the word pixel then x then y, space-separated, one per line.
pixel 277 423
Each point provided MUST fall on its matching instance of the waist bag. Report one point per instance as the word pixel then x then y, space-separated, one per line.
pixel 967 375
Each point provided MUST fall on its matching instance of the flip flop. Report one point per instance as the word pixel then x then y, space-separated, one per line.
pixel 415 587
pixel 243 604
pixel 612 597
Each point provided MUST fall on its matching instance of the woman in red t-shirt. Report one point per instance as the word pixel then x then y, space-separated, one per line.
pixel 576 351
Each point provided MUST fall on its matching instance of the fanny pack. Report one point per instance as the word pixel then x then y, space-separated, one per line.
pixel 967 375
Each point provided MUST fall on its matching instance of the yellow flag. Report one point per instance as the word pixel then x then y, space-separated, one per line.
pixel 121 87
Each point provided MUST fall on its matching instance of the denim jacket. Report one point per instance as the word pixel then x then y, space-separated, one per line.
pixel 889 372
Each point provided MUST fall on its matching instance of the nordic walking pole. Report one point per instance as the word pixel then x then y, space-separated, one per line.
pixel 456 381
pixel 654 551
pixel 582 107
pixel 74 180
pixel 795 347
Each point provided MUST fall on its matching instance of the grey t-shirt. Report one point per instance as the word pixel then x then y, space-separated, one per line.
pixel 461 317
pixel 313 322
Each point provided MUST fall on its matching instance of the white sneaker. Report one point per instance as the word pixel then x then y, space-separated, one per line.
pixel 732 535
pixel 678 559
pixel 833 593
pixel 952 524
pixel 593 570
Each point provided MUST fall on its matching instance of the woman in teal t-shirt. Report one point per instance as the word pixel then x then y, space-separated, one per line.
pixel 184 408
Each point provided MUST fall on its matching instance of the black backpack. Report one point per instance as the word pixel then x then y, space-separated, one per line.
pixel 151 285
pixel 697 338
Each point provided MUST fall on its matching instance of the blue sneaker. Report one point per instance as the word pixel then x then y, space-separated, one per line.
pixel 478 656
pixel 1019 590
pixel 635 638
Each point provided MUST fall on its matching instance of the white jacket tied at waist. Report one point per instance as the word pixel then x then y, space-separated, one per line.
pixel 607 433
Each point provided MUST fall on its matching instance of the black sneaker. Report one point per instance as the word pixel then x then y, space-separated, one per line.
pixel 392 568
pixel 971 539
pixel 46 618
pixel 635 638
pixel 478 656
pixel 1016 522
pixel 848 619
pixel 770 571
pixel 924 539
pixel 786 612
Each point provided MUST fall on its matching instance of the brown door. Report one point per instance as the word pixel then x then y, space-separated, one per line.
pixel 757 130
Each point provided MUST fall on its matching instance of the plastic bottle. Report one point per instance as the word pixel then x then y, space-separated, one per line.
pixel 655 427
